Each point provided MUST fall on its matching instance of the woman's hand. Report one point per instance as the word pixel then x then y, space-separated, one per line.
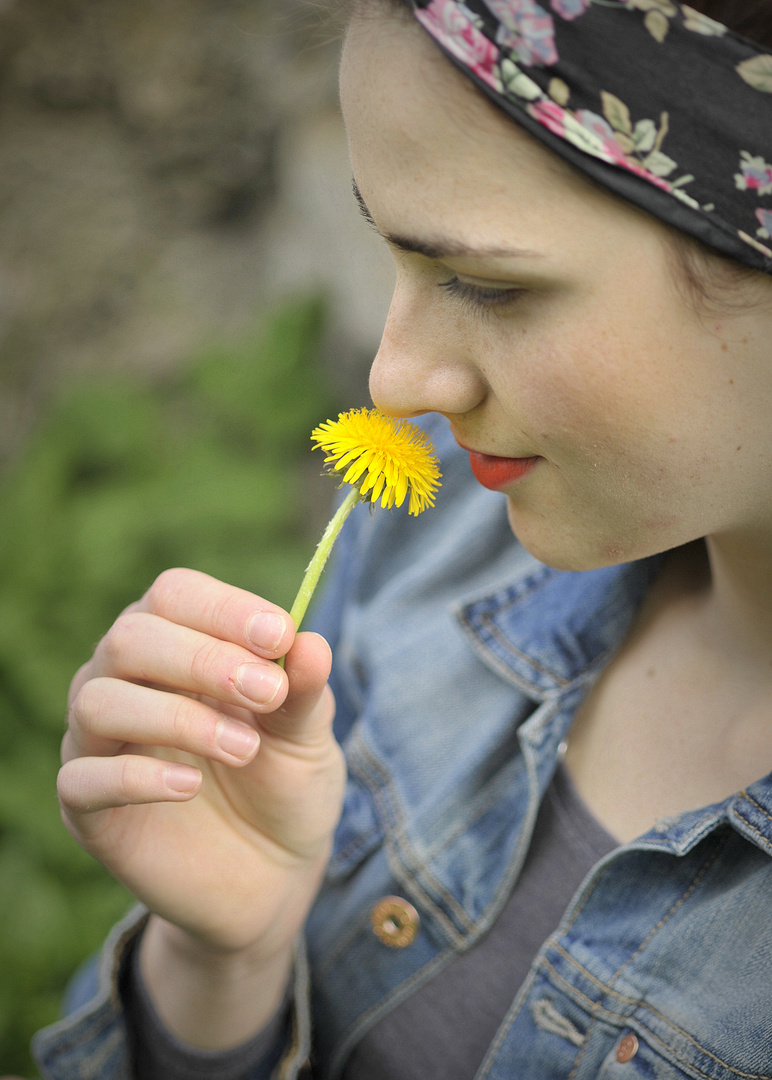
pixel 201 774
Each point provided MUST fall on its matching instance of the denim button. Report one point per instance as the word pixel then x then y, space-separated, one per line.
pixel 627 1049
pixel 395 922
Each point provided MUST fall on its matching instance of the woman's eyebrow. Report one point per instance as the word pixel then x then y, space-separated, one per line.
pixel 437 248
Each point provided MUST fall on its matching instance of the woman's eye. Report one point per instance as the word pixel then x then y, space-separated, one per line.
pixel 481 297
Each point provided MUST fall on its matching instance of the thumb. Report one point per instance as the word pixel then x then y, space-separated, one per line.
pixel 307 712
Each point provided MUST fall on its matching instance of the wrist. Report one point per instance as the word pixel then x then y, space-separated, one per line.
pixel 209 997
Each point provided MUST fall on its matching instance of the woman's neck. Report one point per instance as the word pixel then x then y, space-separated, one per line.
pixel 680 717
pixel 737 609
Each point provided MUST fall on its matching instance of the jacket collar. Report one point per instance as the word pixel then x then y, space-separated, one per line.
pixel 553 628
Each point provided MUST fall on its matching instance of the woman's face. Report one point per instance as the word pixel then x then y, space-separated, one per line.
pixel 543 319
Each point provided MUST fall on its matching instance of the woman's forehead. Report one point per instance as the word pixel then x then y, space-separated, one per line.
pixel 428 148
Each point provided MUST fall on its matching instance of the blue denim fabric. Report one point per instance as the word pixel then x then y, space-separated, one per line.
pixel 459 664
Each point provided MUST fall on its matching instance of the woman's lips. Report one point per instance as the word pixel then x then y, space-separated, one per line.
pixel 497 472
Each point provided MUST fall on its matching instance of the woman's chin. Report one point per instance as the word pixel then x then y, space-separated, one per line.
pixel 566 546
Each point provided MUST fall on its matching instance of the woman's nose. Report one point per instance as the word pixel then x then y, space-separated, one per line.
pixel 423 364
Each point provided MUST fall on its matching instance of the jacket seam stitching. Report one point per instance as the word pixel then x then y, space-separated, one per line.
pixel 753 829
pixel 764 839
pixel 352 849
pixel 402 853
pixel 583 1047
pixel 510 649
pixel 758 805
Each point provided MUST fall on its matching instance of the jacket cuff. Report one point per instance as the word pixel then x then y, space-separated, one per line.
pixel 91 1043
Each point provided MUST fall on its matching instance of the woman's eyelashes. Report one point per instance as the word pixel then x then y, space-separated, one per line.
pixel 483 298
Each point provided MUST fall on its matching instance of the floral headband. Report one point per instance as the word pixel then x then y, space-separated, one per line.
pixel 652 99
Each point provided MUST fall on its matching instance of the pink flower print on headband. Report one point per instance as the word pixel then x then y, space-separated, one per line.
pixel 756 174
pixel 765 217
pixel 526 30
pixel 453 25
pixel 591 133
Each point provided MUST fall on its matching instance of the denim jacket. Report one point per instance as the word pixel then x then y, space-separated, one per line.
pixel 459 664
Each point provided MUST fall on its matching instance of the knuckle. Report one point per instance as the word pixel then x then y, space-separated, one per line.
pixel 189 726
pixel 169 584
pixel 132 783
pixel 63 787
pixel 71 789
pixel 218 611
pixel 88 707
pixel 178 719
pixel 118 638
pixel 205 664
pixel 76 714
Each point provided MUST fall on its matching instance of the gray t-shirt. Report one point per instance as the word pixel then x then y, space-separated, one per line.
pixel 443 1030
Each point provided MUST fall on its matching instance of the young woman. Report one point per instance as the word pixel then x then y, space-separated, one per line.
pixel 551 858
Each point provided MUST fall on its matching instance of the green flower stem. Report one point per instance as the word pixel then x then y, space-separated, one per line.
pixel 315 567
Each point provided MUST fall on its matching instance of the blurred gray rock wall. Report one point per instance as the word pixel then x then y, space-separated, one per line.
pixel 168 168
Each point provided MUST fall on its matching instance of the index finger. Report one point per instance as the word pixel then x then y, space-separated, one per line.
pixel 200 602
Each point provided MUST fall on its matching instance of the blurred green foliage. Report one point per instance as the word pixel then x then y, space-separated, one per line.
pixel 119 482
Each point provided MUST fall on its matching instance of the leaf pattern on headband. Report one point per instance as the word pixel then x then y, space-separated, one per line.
pixel 757 72
pixel 529 38
pixel 658 12
pixel 642 142
pixel 701 24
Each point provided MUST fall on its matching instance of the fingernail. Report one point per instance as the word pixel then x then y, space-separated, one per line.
pixel 238 740
pixel 259 682
pixel 265 629
pixel 182 778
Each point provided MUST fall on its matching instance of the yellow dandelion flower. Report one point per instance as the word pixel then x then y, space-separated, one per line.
pixel 382 458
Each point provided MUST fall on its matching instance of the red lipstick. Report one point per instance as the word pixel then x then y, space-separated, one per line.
pixel 496 472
